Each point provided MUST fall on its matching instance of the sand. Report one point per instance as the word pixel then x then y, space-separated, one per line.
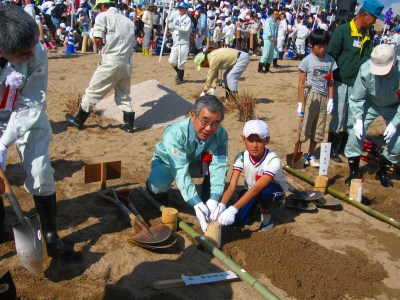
pixel 327 254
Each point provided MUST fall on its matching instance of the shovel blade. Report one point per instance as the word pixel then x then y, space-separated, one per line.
pixel 295 160
pixel 307 195
pixel 159 233
pixel 28 243
pixel 327 200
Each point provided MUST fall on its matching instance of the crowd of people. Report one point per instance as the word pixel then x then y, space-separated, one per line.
pixel 351 79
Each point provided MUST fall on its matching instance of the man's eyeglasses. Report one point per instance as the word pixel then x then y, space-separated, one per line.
pixel 213 124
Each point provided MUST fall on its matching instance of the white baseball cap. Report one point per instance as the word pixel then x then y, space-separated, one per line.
pixel 219 22
pixel 62 25
pixel 382 59
pixel 256 127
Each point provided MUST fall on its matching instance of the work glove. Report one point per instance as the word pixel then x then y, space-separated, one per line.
pixel 218 211
pixel 212 206
pixel 211 92
pixel 228 216
pixel 202 214
pixel 390 131
pixel 329 107
pixel 299 107
pixel 202 94
pixel 359 129
pixel 3 156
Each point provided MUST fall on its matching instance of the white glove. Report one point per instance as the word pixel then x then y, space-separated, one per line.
pixel 202 212
pixel 329 107
pixel 299 106
pixel 212 206
pixel 228 216
pixel 218 211
pixel 211 92
pixel 390 131
pixel 3 156
pixel 202 94
pixel 359 129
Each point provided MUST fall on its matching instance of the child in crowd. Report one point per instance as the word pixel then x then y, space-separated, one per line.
pixel 140 39
pixel 47 42
pixel 317 68
pixel 265 182
pixel 218 34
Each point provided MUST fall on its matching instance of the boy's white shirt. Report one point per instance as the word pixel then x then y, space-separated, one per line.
pixel 269 165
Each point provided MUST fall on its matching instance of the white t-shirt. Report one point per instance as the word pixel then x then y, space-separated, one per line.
pixel 269 165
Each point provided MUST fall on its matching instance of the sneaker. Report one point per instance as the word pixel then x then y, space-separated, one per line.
pixel 313 161
pixel 267 223
pixel 306 160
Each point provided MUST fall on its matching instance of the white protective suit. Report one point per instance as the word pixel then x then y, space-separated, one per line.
pixel 182 28
pixel 27 124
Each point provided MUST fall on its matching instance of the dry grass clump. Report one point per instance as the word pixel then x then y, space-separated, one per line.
pixel 244 102
pixel 72 101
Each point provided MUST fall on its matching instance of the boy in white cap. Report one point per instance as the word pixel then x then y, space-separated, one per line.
pixel 265 182
pixel 376 92
pixel 217 36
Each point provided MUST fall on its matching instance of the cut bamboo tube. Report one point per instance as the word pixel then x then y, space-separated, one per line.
pixel 213 233
pixel 170 218
pixel 251 40
pixel 84 43
pixel 321 182
pixel 356 190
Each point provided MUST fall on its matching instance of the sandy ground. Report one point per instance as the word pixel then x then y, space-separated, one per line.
pixel 327 254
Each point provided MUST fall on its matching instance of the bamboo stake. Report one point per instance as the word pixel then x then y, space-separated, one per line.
pixel 170 218
pixel 356 190
pixel 321 182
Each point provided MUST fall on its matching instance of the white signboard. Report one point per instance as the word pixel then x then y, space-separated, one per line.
pixel 206 278
pixel 161 3
pixel 324 158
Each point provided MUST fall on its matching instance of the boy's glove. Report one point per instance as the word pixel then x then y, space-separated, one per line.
pixel 299 107
pixel 390 131
pixel 211 92
pixel 359 129
pixel 329 107
pixel 228 216
pixel 202 213
pixel 212 206
pixel 3 156
pixel 218 211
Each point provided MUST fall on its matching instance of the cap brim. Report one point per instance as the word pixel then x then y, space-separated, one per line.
pixel 381 17
pixel 95 7
pixel 380 70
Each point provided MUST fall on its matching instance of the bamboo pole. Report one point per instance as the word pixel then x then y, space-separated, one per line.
pixel 339 195
pixel 239 270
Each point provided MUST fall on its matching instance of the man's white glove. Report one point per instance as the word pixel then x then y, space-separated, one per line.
pixel 359 129
pixel 228 216
pixel 329 107
pixel 202 94
pixel 3 156
pixel 212 206
pixel 299 106
pixel 390 131
pixel 218 211
pixel 211 92
pixel 202 213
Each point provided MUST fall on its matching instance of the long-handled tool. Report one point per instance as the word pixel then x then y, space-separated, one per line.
pixel 27 233
pixel 295 160
pixel 153 235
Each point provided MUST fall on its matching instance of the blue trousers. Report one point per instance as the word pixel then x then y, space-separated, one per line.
pixel 271 198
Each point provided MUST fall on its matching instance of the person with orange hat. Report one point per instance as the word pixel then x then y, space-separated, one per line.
pixel 376 92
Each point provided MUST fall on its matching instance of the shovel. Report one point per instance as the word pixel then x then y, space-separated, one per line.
pixel 27 234
pixel 305 195
pixel 145 234
pixel 295 160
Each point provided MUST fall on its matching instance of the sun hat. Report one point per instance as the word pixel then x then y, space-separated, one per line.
pixel 382 59
pixel 200 8
pixel 198 59
pixel 258 127
pixel 219 22
pixel 374 8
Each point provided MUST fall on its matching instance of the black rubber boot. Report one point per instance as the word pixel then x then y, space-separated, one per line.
pixel 343 141
pixel 382 175
pixel 46 206
pixel 275 63
pixel 281 55
pixel 354 164
pixel 205 189
pixel 260 68
pixel 129 121
pixel 179 80
pixel 267 65
pixel 334 139
pixel 2 218
pixel 78 120
pixel 177 73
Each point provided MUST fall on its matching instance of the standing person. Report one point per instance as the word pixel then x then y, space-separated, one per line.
pixel 182 28
pixel 351 45
pixel 317 69
pixel 217 38
pixel 147 20
pixel 115 70
pixel 233 61
pixel 302 33
pixel 270 34
pixel 201 29
pixel 376 92
pixel 23 118
pixel 282 30
pixel 265 182
pixel 193 148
